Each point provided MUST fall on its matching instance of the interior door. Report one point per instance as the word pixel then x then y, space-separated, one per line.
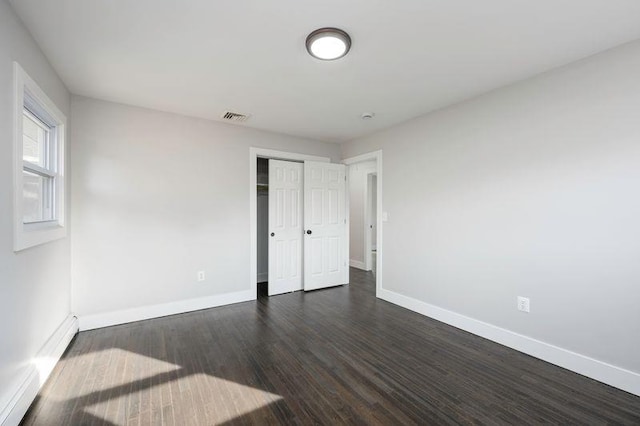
pixel 325 239
pixel 374 210
pixel 370 221
pixel 285 226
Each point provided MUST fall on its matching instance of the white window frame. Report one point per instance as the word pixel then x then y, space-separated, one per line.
pixel 27 94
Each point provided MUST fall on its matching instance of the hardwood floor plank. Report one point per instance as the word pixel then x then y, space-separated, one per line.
pixel 333 356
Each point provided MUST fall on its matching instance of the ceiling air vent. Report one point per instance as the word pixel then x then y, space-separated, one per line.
pixel 234 116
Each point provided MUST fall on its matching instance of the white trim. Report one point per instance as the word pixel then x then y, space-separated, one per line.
pixel 285 155
pixel 38 372
pixel 262 277
pixel 377 156
pixel 362 157
pixel 610 374
pixel 24 235
pixel 358 264
pixel 107 319
pixel 254 153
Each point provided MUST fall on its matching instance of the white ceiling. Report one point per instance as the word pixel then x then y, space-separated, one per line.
pixel 409 57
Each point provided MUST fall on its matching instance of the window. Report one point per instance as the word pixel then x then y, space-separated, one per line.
pixel 39 214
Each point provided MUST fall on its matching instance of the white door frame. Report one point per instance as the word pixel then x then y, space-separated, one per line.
pixel 377 156
pixel 254 153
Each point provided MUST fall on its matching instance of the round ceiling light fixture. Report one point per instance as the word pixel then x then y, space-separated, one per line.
pixel 328 44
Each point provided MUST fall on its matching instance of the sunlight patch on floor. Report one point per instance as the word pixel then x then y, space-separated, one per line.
pixel 184 399
pixel 112 368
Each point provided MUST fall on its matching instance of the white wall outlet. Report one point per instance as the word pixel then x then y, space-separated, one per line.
pixel 200 275
pixel 523 304
pixel 385 216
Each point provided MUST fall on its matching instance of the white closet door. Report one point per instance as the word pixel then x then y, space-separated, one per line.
pixel 325 251
pixel 285 226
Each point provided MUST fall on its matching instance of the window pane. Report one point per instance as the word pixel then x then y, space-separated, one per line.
pixel 36 197
pixel 34 140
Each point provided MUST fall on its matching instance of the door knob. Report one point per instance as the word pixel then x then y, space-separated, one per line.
pixel 309 231
pixel 273 234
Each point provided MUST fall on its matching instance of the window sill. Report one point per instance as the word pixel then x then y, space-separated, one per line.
pixel 35 234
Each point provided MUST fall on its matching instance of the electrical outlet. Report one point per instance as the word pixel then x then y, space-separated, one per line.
pixel 200 275
pixel 523 304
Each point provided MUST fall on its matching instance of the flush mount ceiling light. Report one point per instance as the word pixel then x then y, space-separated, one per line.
pixel 328 44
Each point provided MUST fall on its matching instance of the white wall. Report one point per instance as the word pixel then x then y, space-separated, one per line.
pixel 34 283
pixel 158 197
pixel 530 190
pixel 357 197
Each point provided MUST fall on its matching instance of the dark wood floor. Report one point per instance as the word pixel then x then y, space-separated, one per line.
pixel 332 356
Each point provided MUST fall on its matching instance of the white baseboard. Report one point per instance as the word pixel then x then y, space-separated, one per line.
pixel 262 277
pixel 106 319
pixel 606 373
pixel 357 264
pixel 38 372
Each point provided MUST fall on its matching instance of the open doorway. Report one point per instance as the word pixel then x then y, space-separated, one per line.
pixel 360 194
pixel 262 223
pixel 365 213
